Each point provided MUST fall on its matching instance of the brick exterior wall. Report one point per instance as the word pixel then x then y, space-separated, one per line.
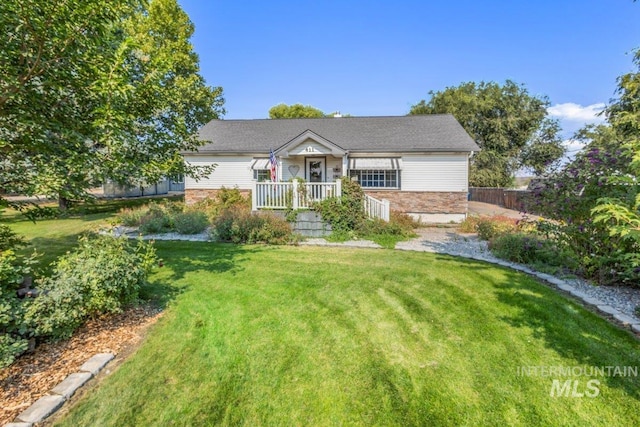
pixel 420 202
pixel 424 202
pixel 196 195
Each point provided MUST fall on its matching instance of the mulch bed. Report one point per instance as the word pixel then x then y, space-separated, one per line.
pixel 34 374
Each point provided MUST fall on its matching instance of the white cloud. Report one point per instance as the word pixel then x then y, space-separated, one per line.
pixel 572 146
pixel 577 113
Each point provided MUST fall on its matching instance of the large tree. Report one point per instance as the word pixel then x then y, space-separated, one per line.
pixel 97 89
pixel 510 126
pixel 294 111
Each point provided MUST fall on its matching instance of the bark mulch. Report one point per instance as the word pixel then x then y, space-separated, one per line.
pixel 32 375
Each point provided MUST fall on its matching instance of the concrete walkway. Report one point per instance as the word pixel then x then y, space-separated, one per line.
pixel 486 209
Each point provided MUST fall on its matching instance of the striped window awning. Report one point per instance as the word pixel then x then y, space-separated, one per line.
pixel 375 163
pixel 259 164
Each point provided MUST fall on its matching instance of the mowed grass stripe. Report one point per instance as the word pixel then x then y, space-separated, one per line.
pixel 331 336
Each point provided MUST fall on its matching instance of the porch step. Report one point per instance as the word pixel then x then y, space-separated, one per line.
pixel 310 224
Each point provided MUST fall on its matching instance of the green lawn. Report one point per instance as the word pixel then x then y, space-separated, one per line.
pixel 257 335
pixel 53 237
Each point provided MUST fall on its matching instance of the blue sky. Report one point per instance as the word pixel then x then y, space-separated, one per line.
pixel 369 58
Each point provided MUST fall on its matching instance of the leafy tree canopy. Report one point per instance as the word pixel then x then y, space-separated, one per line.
pixel 510 126
pixel 294 111
pixel 97 89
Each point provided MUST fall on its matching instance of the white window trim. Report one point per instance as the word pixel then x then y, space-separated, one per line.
pixel 377 171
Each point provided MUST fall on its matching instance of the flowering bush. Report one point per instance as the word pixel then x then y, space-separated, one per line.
pixel 570 199
pixel 530 249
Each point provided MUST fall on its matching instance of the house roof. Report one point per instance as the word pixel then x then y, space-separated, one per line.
pixel 420 133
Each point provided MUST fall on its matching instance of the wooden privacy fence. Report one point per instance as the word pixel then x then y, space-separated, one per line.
pixel 510 199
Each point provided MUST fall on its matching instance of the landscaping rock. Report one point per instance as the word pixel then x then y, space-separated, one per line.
pixel 636 327
pixel 96 363
pixel 40 410
pixel 19 425
pixel 70 384
pixel 608 309
pixel 593 301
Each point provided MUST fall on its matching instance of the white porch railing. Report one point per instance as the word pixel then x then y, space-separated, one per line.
pixel 295 195
pixel 301 195
pixel 375 208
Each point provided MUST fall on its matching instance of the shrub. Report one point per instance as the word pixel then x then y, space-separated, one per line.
pixel 345 213
pixel 238 224
pixel 225 198
pixel 490 227
pixel 132 217
pixel 592 202
pixel 404 220
pixel 191 222
pixel 158 219
pixel 386 234
pixel 274 231
pixel 102 275
pixel 470 224
pixel 528 249
pixel 13 269
pixel 12 324
pixel 9 239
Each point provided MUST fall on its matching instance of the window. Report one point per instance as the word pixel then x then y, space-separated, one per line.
pixel 262 175
pixel 377 178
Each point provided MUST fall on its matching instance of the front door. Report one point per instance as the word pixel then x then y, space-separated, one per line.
pixel 315 170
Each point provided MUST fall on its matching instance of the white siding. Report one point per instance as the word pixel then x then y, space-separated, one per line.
pixel 300 162
pixel 435 172
pixel 289 165
pixel 334 163
pixel 309 147
pixel 231 171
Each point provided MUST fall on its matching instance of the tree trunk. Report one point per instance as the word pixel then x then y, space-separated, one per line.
pixel 63 203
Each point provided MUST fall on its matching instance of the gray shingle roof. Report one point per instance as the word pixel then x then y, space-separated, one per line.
pixel 437 132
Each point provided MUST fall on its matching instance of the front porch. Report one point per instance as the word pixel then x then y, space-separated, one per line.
pixel 302 195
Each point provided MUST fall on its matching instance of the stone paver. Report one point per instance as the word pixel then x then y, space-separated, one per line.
pixel 96 363
pixel 555 281
pixel 593 301
pixel 40 410
pixel 624 319
pixel 70 384
pixel 578 293
pixel 19 424
pixel 607 309
pixel 636 327
pixel 565 287
pixel 545 276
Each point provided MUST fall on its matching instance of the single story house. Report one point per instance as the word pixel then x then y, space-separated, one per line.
pixel 420 164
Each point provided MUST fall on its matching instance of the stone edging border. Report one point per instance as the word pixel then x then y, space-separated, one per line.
pixel 57 396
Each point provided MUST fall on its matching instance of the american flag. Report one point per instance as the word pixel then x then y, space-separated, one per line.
pixel 274 163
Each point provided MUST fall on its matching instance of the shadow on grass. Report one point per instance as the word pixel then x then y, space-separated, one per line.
pixel 181 258
pixel 49 249
pixel 570 330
